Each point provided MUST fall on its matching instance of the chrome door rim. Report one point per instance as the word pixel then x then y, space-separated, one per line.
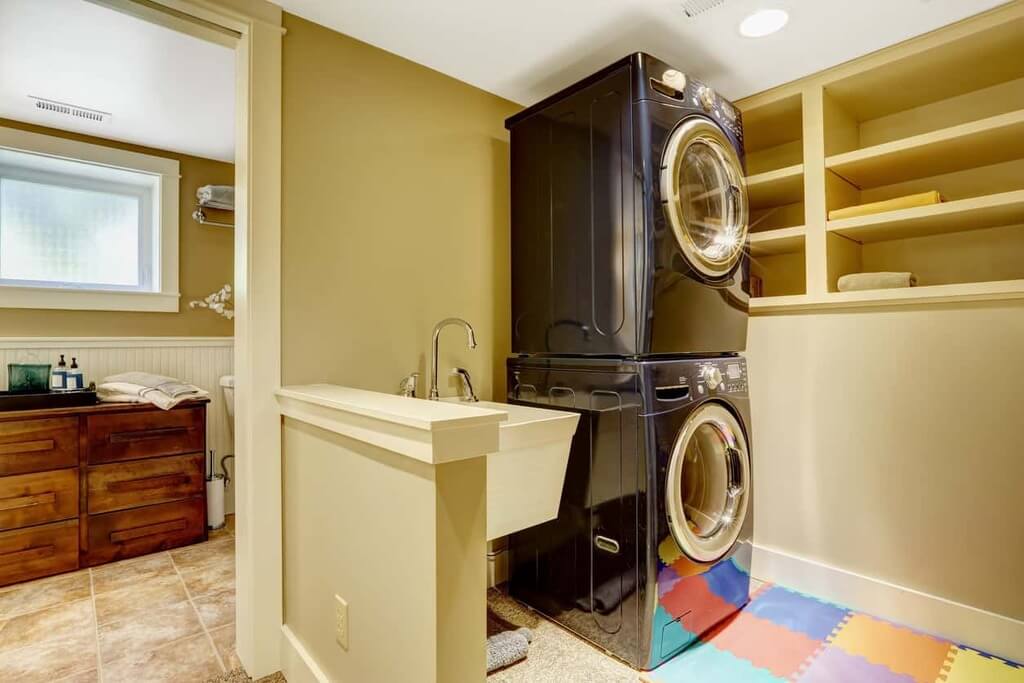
pixel 714 546
pixel 689 132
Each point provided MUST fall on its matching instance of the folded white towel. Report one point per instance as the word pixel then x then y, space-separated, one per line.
pixel 855 282
pixel 217 196
pixel 171 386
pixel 126 392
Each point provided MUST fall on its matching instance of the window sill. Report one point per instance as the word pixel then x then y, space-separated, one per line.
pixel 87 300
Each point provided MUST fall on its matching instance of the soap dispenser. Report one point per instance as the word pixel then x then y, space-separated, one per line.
pixel 75 379
pixel 59 376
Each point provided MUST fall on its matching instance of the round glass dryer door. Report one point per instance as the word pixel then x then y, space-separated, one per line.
pixel 708 483
pixel 705 196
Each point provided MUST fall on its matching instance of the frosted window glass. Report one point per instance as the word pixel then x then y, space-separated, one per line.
pixel 63 235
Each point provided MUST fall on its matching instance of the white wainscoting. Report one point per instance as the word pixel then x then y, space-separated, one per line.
pixel 198 360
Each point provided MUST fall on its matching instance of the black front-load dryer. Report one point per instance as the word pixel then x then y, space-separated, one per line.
pixel 629 217
pixel 652 544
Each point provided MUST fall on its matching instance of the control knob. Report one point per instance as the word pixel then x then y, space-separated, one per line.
pixel 706 96
pixel 712 376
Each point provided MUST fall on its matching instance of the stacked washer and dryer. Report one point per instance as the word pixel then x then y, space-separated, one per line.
pixel 629 306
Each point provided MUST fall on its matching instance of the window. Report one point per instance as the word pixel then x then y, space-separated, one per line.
pixel 86 227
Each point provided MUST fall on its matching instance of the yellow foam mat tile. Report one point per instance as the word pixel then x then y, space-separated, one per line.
pixel 968 666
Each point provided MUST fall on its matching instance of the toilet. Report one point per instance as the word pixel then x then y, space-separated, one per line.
pixel 227 387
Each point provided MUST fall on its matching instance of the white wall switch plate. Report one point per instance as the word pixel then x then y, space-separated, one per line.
pixel 341 622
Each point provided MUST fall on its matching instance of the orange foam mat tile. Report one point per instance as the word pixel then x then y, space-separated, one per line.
pixel 900 649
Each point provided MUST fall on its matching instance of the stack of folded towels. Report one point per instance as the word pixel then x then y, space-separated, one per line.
pixel 143 387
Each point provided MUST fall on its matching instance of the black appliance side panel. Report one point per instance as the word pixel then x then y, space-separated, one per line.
pixel 583 568
pixel 573 224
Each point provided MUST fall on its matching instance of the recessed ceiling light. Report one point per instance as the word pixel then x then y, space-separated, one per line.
pixel 763 22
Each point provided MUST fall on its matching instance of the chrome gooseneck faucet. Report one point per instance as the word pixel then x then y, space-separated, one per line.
pixel 471 338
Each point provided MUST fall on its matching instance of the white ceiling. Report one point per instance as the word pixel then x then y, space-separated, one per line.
pixel 164 89
pixel 525 50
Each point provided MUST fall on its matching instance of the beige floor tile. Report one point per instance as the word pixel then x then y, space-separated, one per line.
pixel 84 677
pixel 210 578
pixel 217 608
pixel 43 593
pixel 60 621
pixel 148 631
pixel 133 572
pixel 188 660
pixel 127 602
pixel 50 659
pixel 204 555
pixel 224 640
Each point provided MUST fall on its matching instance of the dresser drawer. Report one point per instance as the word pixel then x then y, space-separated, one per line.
pixel 37 498
pixel 148 434
pixel 117 535
pixel 38 551
pixel 145 482
pixel 38 445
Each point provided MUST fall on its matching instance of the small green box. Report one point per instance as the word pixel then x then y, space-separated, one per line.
pixel 28 377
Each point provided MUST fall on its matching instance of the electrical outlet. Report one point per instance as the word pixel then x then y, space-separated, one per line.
pixel 341 622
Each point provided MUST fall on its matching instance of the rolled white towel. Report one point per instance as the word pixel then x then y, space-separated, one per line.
pixel 855 282
pixel 217 197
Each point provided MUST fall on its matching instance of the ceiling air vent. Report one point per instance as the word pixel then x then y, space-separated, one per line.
pixel 695 7
pixel 72 110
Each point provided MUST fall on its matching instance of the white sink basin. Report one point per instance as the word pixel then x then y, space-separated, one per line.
pixel 526 474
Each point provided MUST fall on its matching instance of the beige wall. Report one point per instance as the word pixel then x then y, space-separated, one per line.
pixel 395 215
pixel 888 443
pixel 205 264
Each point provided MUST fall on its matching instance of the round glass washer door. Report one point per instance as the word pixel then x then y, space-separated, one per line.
pixel 705 196
pixel 708 483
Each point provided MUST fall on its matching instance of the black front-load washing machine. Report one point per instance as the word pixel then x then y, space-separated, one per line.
pixel 629 217
pixel 652 543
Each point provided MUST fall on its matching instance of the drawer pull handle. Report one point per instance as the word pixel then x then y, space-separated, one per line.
pixel 32 500
pixel 126 535
pixel 146 483
pixel 27 446
pixel 609 545
pixel 147 434
pixel 27 555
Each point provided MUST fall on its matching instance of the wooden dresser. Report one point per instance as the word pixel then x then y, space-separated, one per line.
pixel 84 486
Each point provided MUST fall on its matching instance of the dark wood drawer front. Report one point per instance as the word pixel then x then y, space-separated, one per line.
pixel 38 551
pixel 37 498
pixel 38 445
pixel 145 482
pixel 117 535
pixel 130 436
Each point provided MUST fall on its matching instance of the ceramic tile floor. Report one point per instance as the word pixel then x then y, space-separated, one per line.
pixel 168 616
pixel 781 636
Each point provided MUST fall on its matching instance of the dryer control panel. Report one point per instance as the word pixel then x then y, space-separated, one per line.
pixel 727 375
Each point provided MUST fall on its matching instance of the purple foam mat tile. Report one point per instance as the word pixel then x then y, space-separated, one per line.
pixel 833 665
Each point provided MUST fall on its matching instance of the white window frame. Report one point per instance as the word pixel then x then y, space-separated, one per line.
pixel 165 296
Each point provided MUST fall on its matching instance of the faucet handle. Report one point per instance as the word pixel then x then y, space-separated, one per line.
pixel 407 387
pixel 467 384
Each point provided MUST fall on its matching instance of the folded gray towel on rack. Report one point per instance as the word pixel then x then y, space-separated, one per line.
pixel 217 197
pixel 855 282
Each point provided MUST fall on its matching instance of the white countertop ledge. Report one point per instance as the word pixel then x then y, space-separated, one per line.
pixel 434 432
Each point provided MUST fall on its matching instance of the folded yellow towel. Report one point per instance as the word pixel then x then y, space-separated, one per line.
pixel 912 200
pixel 855 282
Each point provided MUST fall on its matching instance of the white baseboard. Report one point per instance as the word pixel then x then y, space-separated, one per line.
pixel 297 665
pixel 993 633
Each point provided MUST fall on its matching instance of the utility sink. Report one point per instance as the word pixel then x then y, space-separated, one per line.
pixel 526 474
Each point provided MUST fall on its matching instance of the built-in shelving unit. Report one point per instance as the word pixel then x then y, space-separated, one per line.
pixel 940 113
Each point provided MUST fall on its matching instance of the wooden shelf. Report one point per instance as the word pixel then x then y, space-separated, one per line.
pixel 976 213
pixel 977 143
pixel 775 188
pixel 779 241
pixel 954 293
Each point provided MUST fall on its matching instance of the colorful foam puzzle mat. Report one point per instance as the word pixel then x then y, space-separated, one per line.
pixel 785 636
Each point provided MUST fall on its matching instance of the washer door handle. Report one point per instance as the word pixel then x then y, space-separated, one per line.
pixel 609 545
pixel 734 466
